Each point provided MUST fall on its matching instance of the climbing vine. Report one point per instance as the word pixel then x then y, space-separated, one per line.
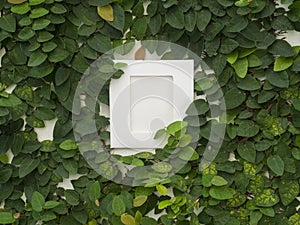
pixel 47 45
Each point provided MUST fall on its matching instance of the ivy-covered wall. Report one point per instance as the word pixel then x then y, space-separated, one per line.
pixel 49 44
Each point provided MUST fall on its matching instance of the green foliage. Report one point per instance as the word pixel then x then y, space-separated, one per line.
pixel 48 46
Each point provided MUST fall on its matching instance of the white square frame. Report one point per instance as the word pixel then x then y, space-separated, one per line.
pixel 177 75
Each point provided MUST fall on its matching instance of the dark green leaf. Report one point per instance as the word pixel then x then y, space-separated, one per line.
pixel 276 164
pixel 175 17
pixel 8 23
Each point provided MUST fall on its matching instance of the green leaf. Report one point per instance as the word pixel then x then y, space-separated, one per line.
pixel 276 164
pixel 8 23
pixel 248 83
pixel 247 151
pixel 21 9
pixel 282 63
pixel 40 24
pixel 5 174
pixel 51 204
pixel 72 197
pixel 68 145
pixel 221 193
pixel 232 57
pixel 37 58
pixel 106 12
pixel 118 206
pixel 38 12
pixel 162 167
pixel 203 19
pixel 127 219
pixel 175 17
pixel 282 48
pixel 282 23
pixel 241 67
pixel 37 201
pixel 139 27
pixel 188 153
pixel 94 191
pixel 100 43
pixel 139 200
pixel 58 55
pixel 234 98
pixel 26 33
pixel 218 181
pixel 36 2
pixel 266 198
pixel 159 133
pixel 247 128
pixel 27 166
pixel 58 9
pixel 6 218
pixel 119 18
pixel 228 45
pixel 176 126
pixel 288 191
pixel 164 204
pixel 161 189
pixel 16 1
pixel 278 79
pixel 185 140
pixel 198 107
pixel 10 101
pixel 190 20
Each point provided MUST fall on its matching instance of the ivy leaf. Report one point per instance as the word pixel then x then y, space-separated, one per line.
pixel 94 191
pixel 27 166
pixel 8 23
pixel 68 145
pixel 72 197
pixel 234 98
pixel 278 79
pixel 203 19
pixel 228 45
pixel 241 67
pixel 276 164
pixel 16 1
pixel 247 128
pixel 6 218
pixel 37 201
pixel 119 18
pixel 247 151
pixel 51 204
pixel 282 48
pixel 118 206
pixel 21 9
pixel 162 189
pixel 106 12
pixel 221 193
pixel 162 167
pixel 159 133
pixel 139 200
pixel 288 191
pixel 38 12
pixel 282 63
pixel 10 101
pixel 127 219
pixel 267 198
pixel 5 174
pixel 218 181
pixel 175 17
pixel 139 27
pixel 37 58
pixel 176 126
pixel 190 20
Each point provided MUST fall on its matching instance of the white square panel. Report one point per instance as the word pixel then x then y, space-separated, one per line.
pixel 149 96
